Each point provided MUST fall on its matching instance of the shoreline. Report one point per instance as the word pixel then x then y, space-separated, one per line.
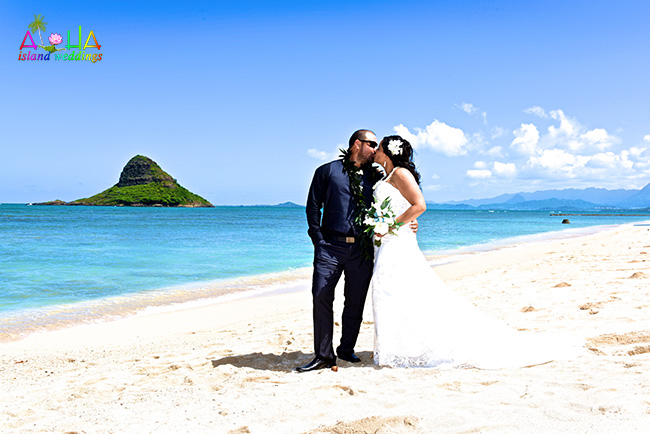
pixel 19 324
pixel 228 367
pixel 453 255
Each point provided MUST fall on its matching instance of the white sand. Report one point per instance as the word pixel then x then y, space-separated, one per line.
pixel 227 367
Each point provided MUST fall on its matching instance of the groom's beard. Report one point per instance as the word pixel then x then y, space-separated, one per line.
pixel 368 159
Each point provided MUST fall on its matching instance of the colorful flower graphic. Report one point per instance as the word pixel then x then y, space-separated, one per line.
pixel 55 39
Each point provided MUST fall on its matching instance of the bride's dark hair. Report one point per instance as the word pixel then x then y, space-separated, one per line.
pixel 403 159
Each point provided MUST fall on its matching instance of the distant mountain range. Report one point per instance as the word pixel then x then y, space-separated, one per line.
pixel 570 199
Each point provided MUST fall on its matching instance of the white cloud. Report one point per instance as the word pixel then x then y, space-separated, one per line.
pixel 507 170
pixel 480 165
pixel 495 151
pixel 636 151
pixel 568 135
pixel 498 132
pixel 638 156
pixel 537 111
pixel 598 138
pixel 609 160
pixel 433 187
pixel 478 174
pixel 605 168
pixel 470 109
pixel 435 176
pixel 319 155
pixel 324 155
pixel 604 160
pixel 467 108
pixel 568 127
pixel 554 150
pixel 556 160
pixel 437 136
pixel 526 139
pixel 477 141
pixel 405 133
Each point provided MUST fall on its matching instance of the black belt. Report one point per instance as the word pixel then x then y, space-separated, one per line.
pixel 347 240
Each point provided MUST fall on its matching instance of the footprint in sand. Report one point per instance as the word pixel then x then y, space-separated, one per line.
pixel 349 390
pixel 591 307
pixel 639 350
pixel 283 339
pixel 613 344
pixel 256 379
pixel 374 424
pixel 346 390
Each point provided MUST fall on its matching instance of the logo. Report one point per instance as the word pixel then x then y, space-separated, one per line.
pixel 68 52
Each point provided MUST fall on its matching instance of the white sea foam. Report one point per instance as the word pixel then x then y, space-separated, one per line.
pixel 17 324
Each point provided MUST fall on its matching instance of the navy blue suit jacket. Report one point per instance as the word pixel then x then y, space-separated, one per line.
pixel 330 191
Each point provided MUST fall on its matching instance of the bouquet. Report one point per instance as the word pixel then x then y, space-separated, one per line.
pixel 381 220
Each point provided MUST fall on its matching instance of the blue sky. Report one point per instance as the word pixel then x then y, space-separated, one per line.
pixel 241 101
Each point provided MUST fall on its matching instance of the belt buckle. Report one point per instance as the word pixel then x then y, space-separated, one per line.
pixel 349 240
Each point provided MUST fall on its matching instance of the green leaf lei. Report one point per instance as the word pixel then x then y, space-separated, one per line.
pixel 355 174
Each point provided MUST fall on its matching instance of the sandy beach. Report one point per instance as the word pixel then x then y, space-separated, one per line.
pixel 227 367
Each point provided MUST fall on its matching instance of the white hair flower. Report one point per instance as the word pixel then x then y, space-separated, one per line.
pixel 395 147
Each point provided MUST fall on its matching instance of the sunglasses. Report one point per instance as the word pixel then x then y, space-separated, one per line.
pixel 373 145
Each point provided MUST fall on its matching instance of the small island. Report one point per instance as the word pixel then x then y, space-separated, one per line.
pixel 142 183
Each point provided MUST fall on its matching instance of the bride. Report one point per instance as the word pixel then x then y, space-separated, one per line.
pixel 419 321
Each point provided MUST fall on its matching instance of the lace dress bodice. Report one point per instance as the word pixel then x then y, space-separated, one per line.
pixel 398 203
pixel 384 189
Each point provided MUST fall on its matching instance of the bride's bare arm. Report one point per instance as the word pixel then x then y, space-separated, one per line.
pixel 406 184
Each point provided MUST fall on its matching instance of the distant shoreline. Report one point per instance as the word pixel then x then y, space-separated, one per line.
pixel 602 215
pixel 295 205
pixel 278 205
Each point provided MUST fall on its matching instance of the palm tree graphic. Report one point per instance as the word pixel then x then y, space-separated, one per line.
pixel 39 24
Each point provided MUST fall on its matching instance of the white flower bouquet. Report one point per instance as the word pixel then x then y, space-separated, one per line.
pixel 381 220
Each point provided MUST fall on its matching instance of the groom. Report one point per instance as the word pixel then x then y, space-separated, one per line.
pixel 338 250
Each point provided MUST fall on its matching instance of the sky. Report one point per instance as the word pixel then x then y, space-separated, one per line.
pixel 241 101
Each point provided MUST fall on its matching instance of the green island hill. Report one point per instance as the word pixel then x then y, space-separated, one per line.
pixel 142 183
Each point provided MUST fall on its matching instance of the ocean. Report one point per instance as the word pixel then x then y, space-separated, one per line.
pixel 63 265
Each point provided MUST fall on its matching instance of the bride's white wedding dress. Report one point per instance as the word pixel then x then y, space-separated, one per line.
pixel 420 322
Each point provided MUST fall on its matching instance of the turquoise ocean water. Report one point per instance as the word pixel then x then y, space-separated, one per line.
pixel 68 264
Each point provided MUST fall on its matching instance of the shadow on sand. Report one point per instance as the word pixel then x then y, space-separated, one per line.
pixel 285 362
